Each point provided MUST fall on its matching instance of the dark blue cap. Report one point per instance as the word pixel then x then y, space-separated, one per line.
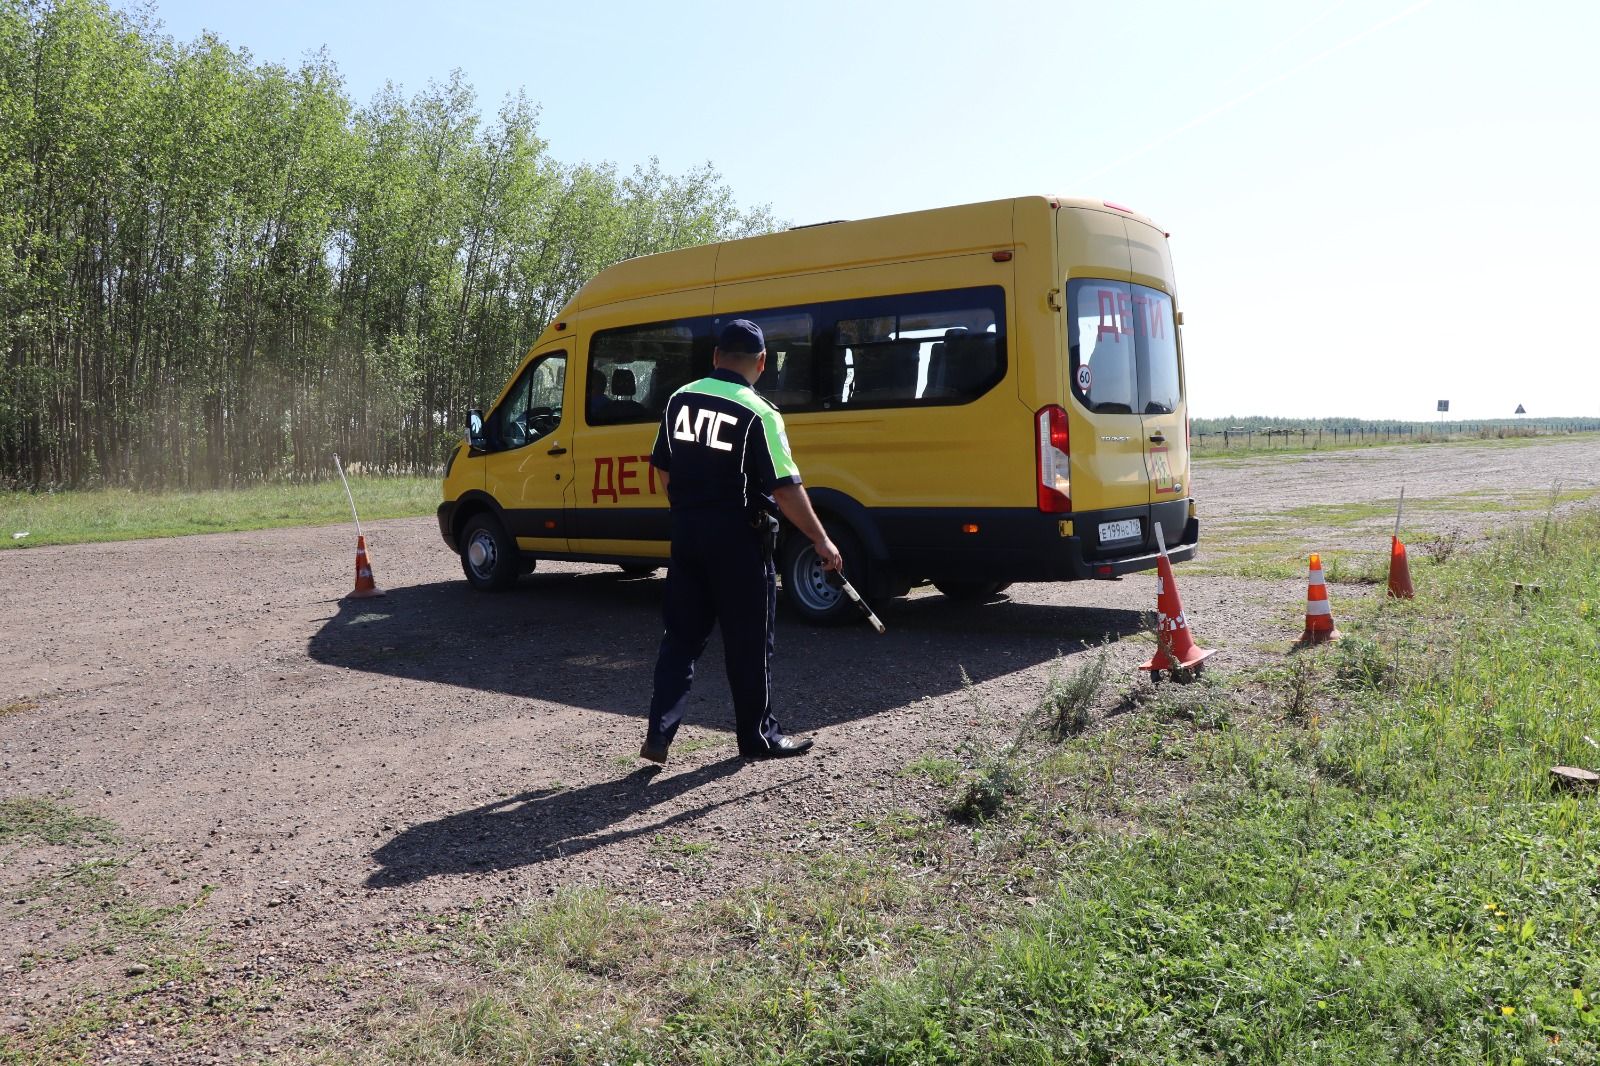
pixel 742 337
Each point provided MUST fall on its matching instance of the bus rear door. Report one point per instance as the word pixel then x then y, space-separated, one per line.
pixel 1110 476
pixel 1162 404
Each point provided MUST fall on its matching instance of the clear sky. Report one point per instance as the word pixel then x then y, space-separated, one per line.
pixel 1367 198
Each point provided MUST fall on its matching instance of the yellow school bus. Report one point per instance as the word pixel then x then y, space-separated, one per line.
pixel 975 395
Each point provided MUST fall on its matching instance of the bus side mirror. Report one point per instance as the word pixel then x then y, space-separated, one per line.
pixel 476 437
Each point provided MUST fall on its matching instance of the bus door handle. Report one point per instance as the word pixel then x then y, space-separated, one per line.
pixel 1158 438
pixel 557 449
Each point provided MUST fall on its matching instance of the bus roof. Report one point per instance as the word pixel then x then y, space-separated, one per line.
pixel 827 246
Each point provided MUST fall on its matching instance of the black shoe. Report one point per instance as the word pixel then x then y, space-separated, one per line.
pixel 781 748
pixel 653 753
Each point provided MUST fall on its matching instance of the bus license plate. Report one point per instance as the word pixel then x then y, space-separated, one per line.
pixel 1128 527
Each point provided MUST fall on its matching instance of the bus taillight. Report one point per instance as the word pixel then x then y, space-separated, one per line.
pixel 1055 464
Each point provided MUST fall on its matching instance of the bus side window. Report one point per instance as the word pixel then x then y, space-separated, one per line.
pixel 633 370
pixel 961 363
pixel 886 372
pixel 532 409
pixel 789 380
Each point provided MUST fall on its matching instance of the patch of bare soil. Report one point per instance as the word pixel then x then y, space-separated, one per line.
pixel 297 777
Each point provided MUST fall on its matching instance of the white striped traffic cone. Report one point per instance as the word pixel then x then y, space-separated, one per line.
pixel 1319 615
pixel 366 587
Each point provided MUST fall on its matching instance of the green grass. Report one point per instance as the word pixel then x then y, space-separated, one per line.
pixel 1281 559
pixel 1353 855
pixel 30 819
pixel 1277 547
pixel 1384 876
pixel 938 769
pixel 1344 515
pixel 123 514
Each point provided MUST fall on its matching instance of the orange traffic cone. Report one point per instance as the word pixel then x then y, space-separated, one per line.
pixel 1319 616
pixel 1399 571
pixel 1174 646
pixel 366 588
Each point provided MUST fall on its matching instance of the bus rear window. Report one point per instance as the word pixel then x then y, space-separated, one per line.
pixel 1123 346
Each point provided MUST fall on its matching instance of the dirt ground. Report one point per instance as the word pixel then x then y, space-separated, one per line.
pixel 335 768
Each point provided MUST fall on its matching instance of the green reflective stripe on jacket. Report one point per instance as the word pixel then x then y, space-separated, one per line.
pixel 740 394
pixel 783 464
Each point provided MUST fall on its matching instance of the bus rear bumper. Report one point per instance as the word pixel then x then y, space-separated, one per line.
pixel 1025 545
pixel 1109 569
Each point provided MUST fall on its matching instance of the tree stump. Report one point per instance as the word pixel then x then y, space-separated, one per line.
pixel 1573 779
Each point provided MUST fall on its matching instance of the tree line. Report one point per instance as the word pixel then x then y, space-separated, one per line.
pixel 215 271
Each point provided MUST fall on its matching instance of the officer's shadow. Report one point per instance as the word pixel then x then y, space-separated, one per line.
pixel 547 824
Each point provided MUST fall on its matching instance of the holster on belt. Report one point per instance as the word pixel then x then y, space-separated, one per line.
pixel 765 523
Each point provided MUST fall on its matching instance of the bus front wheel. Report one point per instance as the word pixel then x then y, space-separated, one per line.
pixel 806 584
pixel 489 557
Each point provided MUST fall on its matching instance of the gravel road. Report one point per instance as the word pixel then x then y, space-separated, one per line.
pixel 333 767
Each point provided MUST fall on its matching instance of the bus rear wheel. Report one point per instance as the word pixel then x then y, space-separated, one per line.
pixel 806 585
pixel 971 591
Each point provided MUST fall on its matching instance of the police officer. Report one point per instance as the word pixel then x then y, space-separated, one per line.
pixel 724 461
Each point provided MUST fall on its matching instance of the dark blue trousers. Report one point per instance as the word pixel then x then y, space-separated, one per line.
pixel 720 573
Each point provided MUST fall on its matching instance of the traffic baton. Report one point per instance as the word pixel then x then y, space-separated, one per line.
pixel 850 590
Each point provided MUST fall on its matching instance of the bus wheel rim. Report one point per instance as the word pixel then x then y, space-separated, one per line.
pixel 813 587
pixel 481 554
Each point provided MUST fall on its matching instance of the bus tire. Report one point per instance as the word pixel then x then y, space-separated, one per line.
pixel 805 585
pixel 638 569
pixel 489 557
pixel 961 591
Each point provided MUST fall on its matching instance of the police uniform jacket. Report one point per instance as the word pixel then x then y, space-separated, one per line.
pixel 724 447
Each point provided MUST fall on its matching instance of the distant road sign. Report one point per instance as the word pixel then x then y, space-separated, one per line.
pixel 1521 410
pixel 1444 405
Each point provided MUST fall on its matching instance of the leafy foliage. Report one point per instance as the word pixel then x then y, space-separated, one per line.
pixel 215 272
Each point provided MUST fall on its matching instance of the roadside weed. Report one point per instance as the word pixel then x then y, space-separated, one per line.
pixel 1066 704
pixel 1297 683
pixel 987 788
pixel 1359 663
pixel 1442 547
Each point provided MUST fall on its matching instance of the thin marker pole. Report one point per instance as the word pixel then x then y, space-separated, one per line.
pixel 1399 510
pixel 347 493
